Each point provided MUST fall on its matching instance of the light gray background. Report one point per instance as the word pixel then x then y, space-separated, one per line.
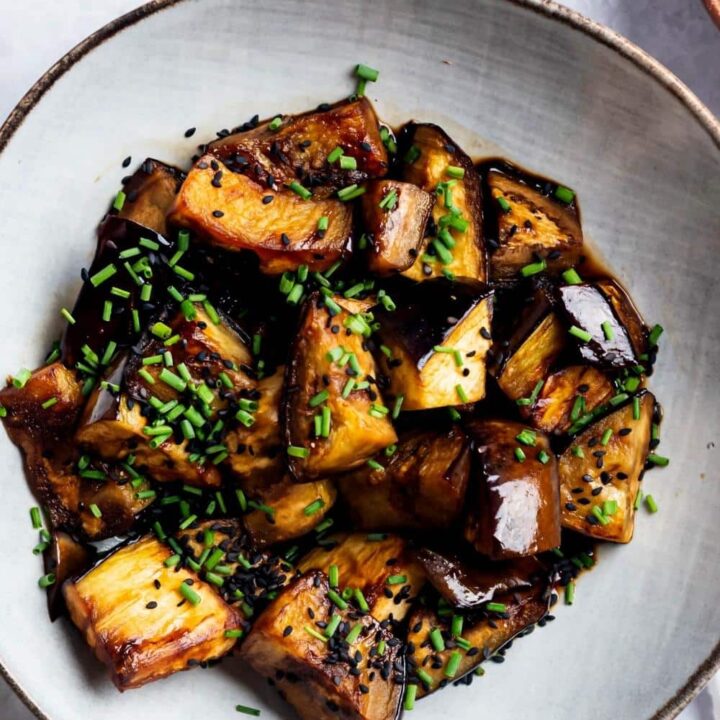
pixel 679 33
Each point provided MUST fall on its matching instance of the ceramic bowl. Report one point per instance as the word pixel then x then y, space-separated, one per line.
pixel 529 79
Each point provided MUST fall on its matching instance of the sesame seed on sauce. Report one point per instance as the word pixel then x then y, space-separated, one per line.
pixel 190 132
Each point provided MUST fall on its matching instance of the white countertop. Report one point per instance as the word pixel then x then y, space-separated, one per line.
pixel 679 33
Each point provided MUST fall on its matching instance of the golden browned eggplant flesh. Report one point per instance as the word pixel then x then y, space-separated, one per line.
pixel 342 399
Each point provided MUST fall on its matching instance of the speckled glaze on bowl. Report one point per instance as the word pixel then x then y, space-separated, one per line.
pixel 549 88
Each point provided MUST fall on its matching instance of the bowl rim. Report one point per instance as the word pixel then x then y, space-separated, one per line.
pixel 548 8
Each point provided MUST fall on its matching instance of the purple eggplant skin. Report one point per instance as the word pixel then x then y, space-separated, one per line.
pixel 585 307
pixel 514 497
pixel 426 312
pixel 115 234
pixel 65 558
pixel 468 583
pixel 627 313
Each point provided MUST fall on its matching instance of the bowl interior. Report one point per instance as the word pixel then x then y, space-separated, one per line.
pixel 501 78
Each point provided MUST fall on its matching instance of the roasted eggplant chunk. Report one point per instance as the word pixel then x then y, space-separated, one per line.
pixel 289 645
pixel 466 583
pixel 94 328
pixel 566 395
pixel 484 632
pixel 627 314
pixel 530 226
pixel 534 347
pixel 229 211
pixel 352 422
pixel 394 216
pixel 514 507
pixel 421 485
pixel 437 165
pixel 64 558
pixel 149 193
pixel 113 427
pixel 298 149
pixel 242 574
pixel 600 472
pixel 438 338
pixel 130 609
pixel 601 337
pixel 383 569
pixel 296 509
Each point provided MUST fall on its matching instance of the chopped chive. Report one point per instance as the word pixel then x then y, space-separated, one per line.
pixel 600 515
pixel 605 439
pixel 607 329
pixel 348 163
pixel 389 200
pixel 533 268
pixel 571 277
pixel 246 710
pixel 298 189
pixel 293 297
pixel 211 312
pixel 275 123
pixel 323 223
pixel 36 518
pixel 396 580
pixel 189 594
pixel 95 510
pixel 520 454
pixel 638 500
pixel 161 331
pixel 360 600
pixel 319 398
pixel 570 593
pixel 375 465
pixel 49 403
pixel 443 254
pixel 21 377
pixel 453 664
pixel 332 625
pixel 651 504
pixel 325 422
pixel 335 154
pixel 461 393
pixel 655 334
pixel 366 73
pixel 658 460
pixel 337 600
pixel 333 576
pixel 504 204
pixel 527 437
pixel 454 171
pixel 47 580
pixel 350 193
pixel 496 607
pixel 580 334
pixel 314 633
pixel 354 633
pixel 172 380
pixel 236 633
pixel 314 507
pixel 456 626
pixel 564 194
pixel 68 316
pixel 609 507
pixel 437 641
pixel 102 275
pixel 298 452
pixel 636 408
pixel 543 457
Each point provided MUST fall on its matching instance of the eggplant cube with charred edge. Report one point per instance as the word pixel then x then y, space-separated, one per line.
pixel 435 163
pixel 229 211
pixel 601 469
pixel 127 609
pixel 530 227
pixel 514 508
pixel 602 339
pixel 320 676
pixel 436 342
pixel 352 421
pixel 296 148
pixel 383 569
pixel 394 215
pixel 421 485
pixel 149 194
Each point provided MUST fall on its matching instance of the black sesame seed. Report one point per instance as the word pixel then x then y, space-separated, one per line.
pixel 218 213
pixel 284 239
pixel 190 132
pixel 151 605
pixel 596 491
pixel 287 631
pixel 127 161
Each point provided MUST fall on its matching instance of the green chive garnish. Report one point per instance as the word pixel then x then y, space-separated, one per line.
pixel 297 451
pixel 655 334
pixel 651 504
pixel 580 334
pixel 298 189
pixel 533 268
pixel 396 580
pixel 348 163
pixel 410 694
pixel 366 73
pixel 314 507
pixel 47 580
pixel 504 204
pixel 564 194
pixel 607 329
pixel 658 460
pixel 453 664
pixel 189 594
pixel 275 123
pixel 246 710
pixel 496 607
pixel 570 593
pixel 571 277
pixel 436 640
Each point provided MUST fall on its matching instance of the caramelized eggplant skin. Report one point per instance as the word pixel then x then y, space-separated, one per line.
pixel 297 662
pixel 515 506
pixel 615 468
pixel 149 193
pixel 534 227
pixel 438 152
pixel 65 557
pixel 355 435
pixel 140 643
pixel 396 233
pixel 438 313
pixel 115 234
pixel 283 233
pixel 552 411
pixel 367 565
pixel 422 485
pixel 298 149
pixel 468 583
pixel 627 314
pixel 587 308
pixel 486 634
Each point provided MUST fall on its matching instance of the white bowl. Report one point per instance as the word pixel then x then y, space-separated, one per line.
pixel 545 87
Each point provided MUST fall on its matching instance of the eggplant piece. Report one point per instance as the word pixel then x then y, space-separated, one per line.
pixel 532 352
pixel 65 557
pixel 553 410
pixel 383 568
pixel 394 215
pixel 315 383
pixel 514 509
pixel 485 633
pixel 115 235
pixel 229 211
pixel 627 314
pixel 420 486
pixel 453 316
pixel 529 226
pixel 458 203
pixel 226 544
pixel 298 149
pixel 287 645
pixel 112 427
pixel 256 452
pixel 466 583
pixel 131 612
pixel 607 344
pixel 296 509
pixel 601 469
pixel 149 193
